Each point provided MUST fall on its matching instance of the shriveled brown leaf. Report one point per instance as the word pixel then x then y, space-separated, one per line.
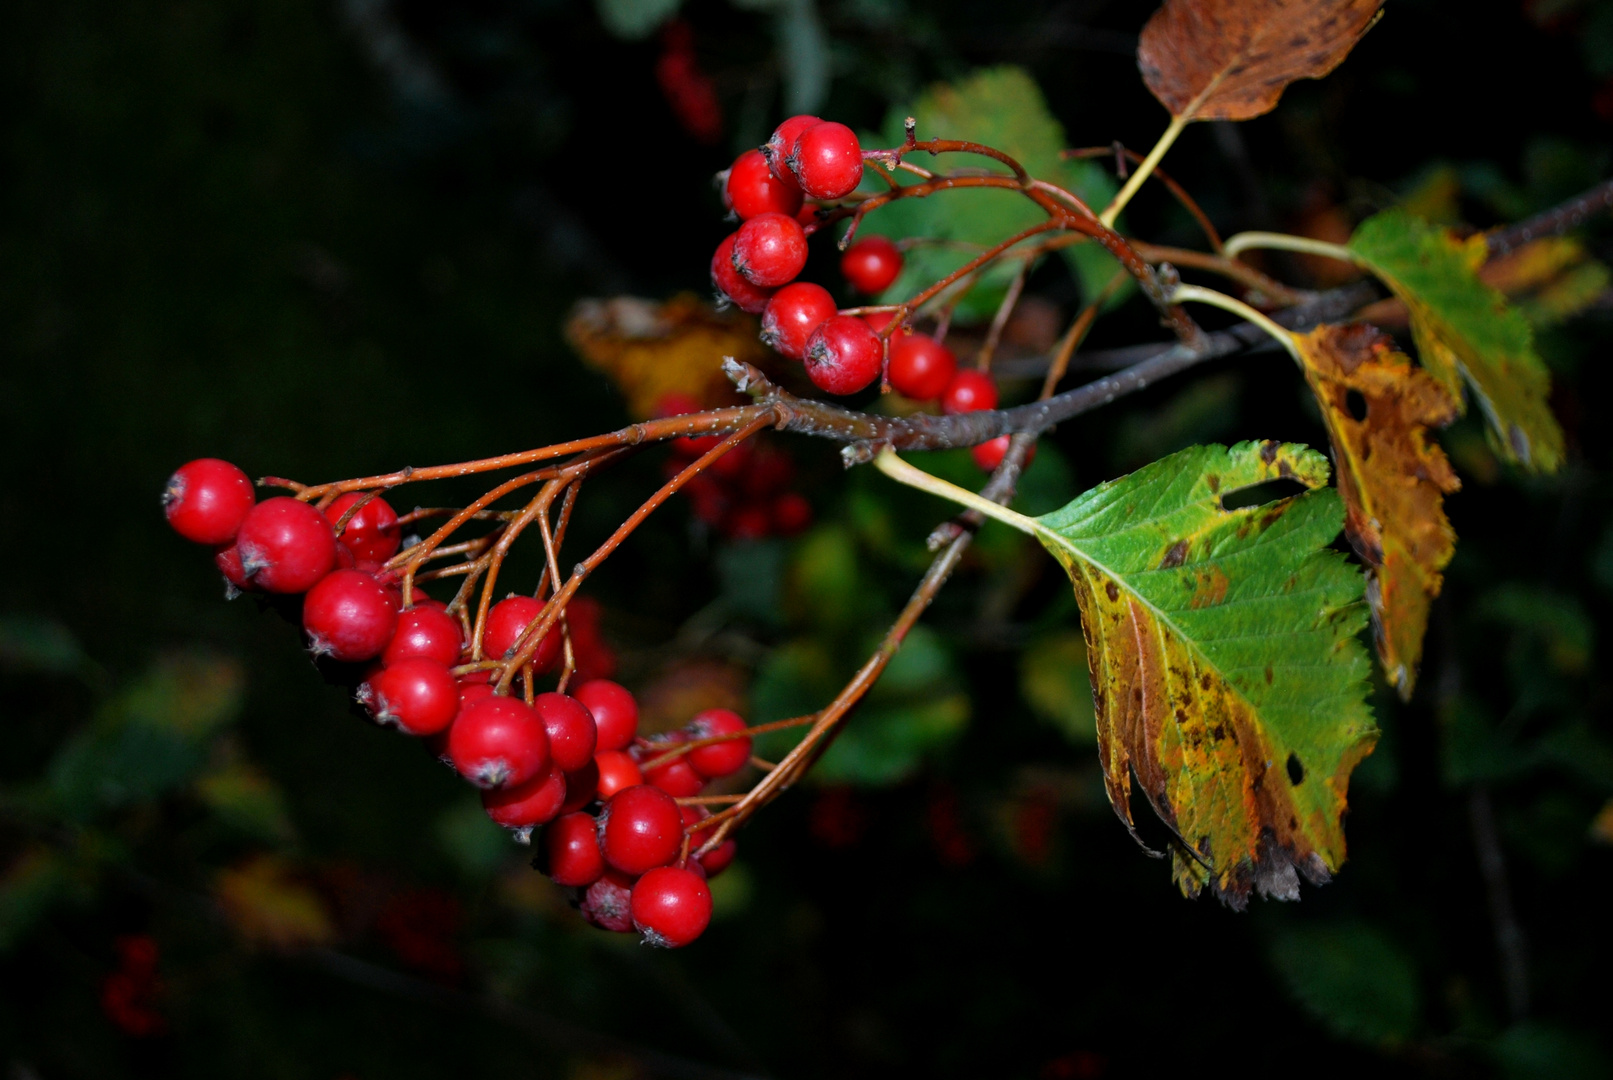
pixel 1393 476
pixel 1232 59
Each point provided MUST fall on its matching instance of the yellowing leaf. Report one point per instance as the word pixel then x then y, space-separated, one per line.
pixel 1392 475
pixel 1465 330
pixel 651 350
pixel 269 906
pixel 1602 826
pixel 1232 59
pixel 1550 279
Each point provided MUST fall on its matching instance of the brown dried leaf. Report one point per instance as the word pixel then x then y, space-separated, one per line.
pixel 1232 59
pixel 1392 475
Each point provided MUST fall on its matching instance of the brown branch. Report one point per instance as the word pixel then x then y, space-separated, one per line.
pixel 1563 218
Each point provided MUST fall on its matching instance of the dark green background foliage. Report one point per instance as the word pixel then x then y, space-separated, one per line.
pixel 327 238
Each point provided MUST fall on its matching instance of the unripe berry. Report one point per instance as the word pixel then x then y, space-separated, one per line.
pixel 507 621
pixel 920 366
pixel 425 630
pixel 641 829
pixel 372 532
pixel 570 729
pixel 207 499
pixel 349 616
pixel 608 902
pixel 718 759
pixel 617 771
pixel 417 695
pixel 751 188
pixel 498 742
pixel 871 264
pixel 285 546
pixel 827 160
pixel 971 390
pixel 843 355
pixel 535 802
pixel 778 146
pixel 792 314
pixel 615 713
pixel 770 250
pixel 989 454
pixel 731 285
pixel 571 854
pixel 671 906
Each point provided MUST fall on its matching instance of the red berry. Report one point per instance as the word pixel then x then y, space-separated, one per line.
pixel 641 829
pixel 582 785
pixel 571 851
pixel 871 264
pixel 507 621
pixel 677 777
pixel 843 355
pixel 827 160
pixel 791 513
pixel 425 630
pixel 227 558
pixel 671 906
pixel 207 499
pixel 748 521
pixel 989 454
pixel 778 146
pixel 752 189
pixel 617 770
pixel 615 713
pixel 734 462
pixel 285 546
pixel 718 858
pixel 418 695
pixel 921 367
pixel 718 759
pixel 808 214
pixel 523 805
pixel 971 390
pixel 794 312
pixel 349 616
pixel 731 285
pixel 881 319
pixel 593 654
pixel 770 250
pixel 498 742
pixel 608 902
pixel 372 532
pixel 570 729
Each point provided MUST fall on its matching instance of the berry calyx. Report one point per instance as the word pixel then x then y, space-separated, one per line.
pixel 989 454
pixel 723 758
pixel 770 250
pixel 207 499
pixel 671 906
pixel 827 160
pixel 425 630
pixel 571 851
pixel 615 713
pixel 778 146
pixel 285 546
pixel 349 616
pixel 507 621
pixel 617 770
pixel 731 285
pixel 228 560
pixel 372 532
pixel 971 390
pixel 498 742
pixel 608 903
pixel 570 729
pixel 521 806
pixel 843 355
pixel 416 695
pixel 793 313
pixel 920 366
pixel 871 264
pixel 641 829
pixel 751 188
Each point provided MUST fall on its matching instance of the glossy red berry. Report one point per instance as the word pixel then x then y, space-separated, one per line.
pixel 723 758
pixel 778 146
pixel 349 616
pixel 372 533
pixel 871 264
pixel 971 390
pixel 881 319
pixel 507 621
pixel 582 787
pixel 989 454
pixel 207 499
pixel 535 802
pixel 617 771
pixel 671 906
pixel 498 742
pixel 808 214
pixel 827 160
pixel 608 902
pixel 285 546
pixel 426 631
pixel 640 829
pixel 718 858
pixel 920 366
pixel 571 852
pixel 570 729
pixel 791 513
pixel 843 355
pixel 751 188
pixel 677 777
pixel 794 312
pixel 615 713
pixel 770 250
pixel 418 696
pixel 733 286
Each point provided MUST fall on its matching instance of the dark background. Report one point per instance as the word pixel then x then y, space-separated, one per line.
pixel 325 239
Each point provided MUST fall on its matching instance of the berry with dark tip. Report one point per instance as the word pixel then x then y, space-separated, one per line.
pixel 843 355
pixel 778 146
pixel 793 313
pixel 671 906
pixel 536 802
pixel 770 250
pixel 285 546
pixel 498 742
pixel 417 695
pixel 733 286
pixel 608 902
pixel 349 616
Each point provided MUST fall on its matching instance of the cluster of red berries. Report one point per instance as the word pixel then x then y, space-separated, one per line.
pixel 746 494
pixel 568 761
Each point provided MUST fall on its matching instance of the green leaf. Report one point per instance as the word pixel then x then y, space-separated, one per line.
pixel 42 645
pixel 1465 330
pixel 1053 681
pixel 1000 107
pixel 634 19
pixel 1352 978
pixel 1222 646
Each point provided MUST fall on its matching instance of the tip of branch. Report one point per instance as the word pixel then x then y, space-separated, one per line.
pixel 860 453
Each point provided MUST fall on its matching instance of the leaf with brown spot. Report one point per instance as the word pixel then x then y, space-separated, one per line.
pixel 1232 59
pixel 1393 477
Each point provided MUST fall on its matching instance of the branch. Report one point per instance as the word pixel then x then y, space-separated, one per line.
pixel 1562 218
